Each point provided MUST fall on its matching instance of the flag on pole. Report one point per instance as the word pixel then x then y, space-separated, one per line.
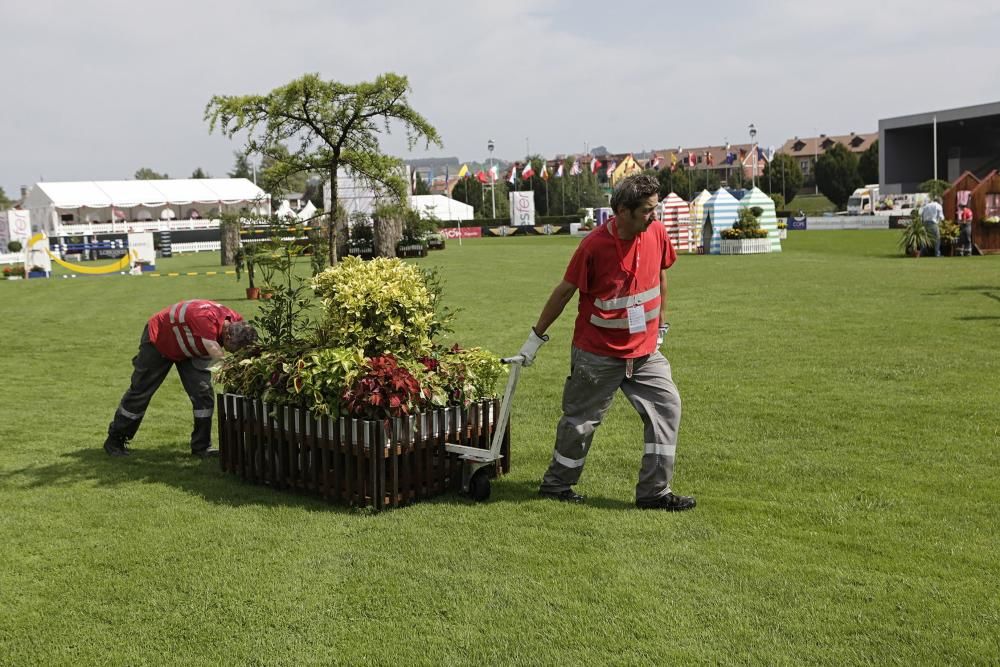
pixel 730 157
pixel 673 161
pixel 494 174
pixel 463 172
pixel 743 153
pixel 575 169
pixel 691 159
pixel 528 171
pixel 594 164
pixel 559 171
pixel 512 179
pixel 709 158
pixel 481 176
pixel 413 182
pixel 611 167
pixel 770 153
pixel 545 172
pixel 655 162
pixel 760 154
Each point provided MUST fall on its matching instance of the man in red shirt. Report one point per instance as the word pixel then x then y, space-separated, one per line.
pixel 191 335
pixel 620 271
pixel 964 231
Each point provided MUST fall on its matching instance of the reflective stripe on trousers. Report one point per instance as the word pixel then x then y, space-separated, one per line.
pixel 587 396
pixel 149 369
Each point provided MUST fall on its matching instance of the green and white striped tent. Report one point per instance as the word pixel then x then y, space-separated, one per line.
pixel 697 215
pixel 721 212
pixel 768 220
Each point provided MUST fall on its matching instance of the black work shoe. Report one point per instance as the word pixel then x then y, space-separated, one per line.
pixel 669 502
pixel 207 453
pixel 567 496
pixel 115 446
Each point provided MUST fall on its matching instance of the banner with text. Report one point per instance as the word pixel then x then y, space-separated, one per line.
pixel 462 232
pixel 522 209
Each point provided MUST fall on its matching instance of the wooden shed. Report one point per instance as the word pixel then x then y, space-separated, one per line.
pixel 985 203
pixel 697 216
pixel 721 212
pixel 676 218
pixel 967 182
pixel 768 220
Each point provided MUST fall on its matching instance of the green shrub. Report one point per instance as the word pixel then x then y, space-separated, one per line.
pixel 379 306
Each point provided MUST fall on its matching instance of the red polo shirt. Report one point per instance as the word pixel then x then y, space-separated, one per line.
pixel 178 331
pixel 611 275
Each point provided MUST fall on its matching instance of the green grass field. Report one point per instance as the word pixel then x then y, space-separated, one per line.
pixel 840 433
pixel 811 205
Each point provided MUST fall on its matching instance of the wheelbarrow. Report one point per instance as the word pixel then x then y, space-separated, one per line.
pixel 478 463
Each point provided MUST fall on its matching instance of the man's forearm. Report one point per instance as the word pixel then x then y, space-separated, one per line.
pixel 554 306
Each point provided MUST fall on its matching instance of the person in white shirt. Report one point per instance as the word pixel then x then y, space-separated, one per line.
pixel 932 214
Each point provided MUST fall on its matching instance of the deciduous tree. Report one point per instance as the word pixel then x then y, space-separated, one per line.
pixel 837 175
pixel 328 125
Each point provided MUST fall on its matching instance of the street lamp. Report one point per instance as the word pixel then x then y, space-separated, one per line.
pixel 753 147
pixel 493 178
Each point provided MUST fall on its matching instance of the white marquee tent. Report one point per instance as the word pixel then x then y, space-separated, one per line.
pixel 50 204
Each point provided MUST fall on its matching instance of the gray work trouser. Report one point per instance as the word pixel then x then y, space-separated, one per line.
pixel 965 238
pixel 588 394
pixel 150 368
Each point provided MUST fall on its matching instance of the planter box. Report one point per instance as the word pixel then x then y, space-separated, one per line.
pixel 365 251
pixel 377 464
pixel 412 250
pixel 38 274
pixel 744 246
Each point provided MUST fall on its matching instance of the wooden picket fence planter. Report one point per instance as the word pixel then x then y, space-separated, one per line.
pixel 744 246
pixel 358 462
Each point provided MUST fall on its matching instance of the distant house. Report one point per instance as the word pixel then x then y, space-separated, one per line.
pixel 806 150
pixel 296 200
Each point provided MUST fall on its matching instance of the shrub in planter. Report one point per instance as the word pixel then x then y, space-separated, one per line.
pixel 13 271
pixel 14 246
pixel 379 306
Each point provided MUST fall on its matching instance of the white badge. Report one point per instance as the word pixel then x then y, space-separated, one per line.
pixel 636 319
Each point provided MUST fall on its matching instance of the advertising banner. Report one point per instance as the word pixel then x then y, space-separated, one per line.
pixel 522 209
pixel 463 233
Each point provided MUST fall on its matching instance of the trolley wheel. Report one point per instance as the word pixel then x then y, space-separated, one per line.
pixel 479 485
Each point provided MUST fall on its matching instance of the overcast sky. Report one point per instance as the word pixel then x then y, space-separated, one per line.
pixel 95 90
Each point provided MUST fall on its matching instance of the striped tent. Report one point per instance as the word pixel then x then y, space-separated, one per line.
pixel 768 220
pixel 721 211
pixel 697 214
pixel 676 218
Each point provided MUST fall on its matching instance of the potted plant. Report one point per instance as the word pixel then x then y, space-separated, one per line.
pixel 246 258
pixel 13 272
pixel 915 236
pixel 746 236
pixel 992 220
pixel 14 246
pixel 949 237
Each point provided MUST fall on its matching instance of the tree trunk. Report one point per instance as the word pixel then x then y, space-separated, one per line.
pixel 388 232
pixel 229 236
pixel 332 236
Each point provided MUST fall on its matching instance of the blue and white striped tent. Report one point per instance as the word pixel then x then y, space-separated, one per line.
pixel 720 212
pixel 767 219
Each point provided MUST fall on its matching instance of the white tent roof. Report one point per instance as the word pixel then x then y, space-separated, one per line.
pixel 441 207
pixel 308 211
pixel 101 194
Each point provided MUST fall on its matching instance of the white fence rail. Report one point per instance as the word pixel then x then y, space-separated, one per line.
pixel 744 246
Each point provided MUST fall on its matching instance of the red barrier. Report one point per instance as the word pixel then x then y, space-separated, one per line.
pixel 463 232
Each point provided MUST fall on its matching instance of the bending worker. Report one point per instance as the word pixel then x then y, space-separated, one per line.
pixel 620 270
pixel 191 335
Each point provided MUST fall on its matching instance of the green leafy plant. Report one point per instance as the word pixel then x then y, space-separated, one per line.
pixel 283 318
pixel 13 270
pixel 915 236
pixel 747 225
pixel 379 306
pixel 14 246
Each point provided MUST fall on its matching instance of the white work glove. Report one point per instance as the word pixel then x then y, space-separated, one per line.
pixel 662 333
pixel 530 347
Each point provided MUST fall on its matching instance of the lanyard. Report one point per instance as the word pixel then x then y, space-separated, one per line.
pixel 634 273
